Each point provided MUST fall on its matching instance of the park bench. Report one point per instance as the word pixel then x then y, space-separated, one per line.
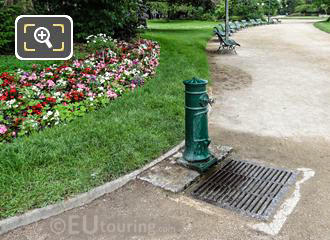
pixel 247 24
pixel 264 21
pixel 254 23
pixel 277 20
pixel 233 26
pixel 250 23
pixel 229 44
pixel 217 30
pixel 244 24
pixel 260 22
pixel 238 25
pixel 223 28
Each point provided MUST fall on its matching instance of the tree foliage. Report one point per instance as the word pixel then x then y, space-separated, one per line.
pixel 8 15
pixel 247 9
pixel 118 18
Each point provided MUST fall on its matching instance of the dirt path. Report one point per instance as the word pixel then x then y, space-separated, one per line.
pixel 278 84
pixel 273 105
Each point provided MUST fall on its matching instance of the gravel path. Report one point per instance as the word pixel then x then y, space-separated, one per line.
pixel 283 87
pixel 273 106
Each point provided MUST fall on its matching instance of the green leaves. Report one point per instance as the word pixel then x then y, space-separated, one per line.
pixel 116 18
pixel 7 28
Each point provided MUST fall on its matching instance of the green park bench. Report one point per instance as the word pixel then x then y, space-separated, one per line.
pixel 264 21
pixel 217 30
pixel 250 23
pixel 223 28
pixel 254 23
pixel 238 25
pixel 271 21
pixel 277 20
pixel 260 22
pixel 229 44
pixel 233 26
pixel 244 24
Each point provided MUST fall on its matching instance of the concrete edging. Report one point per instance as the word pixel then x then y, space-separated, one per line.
pixel 36 215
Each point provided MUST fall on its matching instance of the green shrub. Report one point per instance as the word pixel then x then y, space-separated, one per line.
pixel 7 28
pixel 100 42
pixel 208 17
pixel 116 18
pixel 306 9
pixel 236 18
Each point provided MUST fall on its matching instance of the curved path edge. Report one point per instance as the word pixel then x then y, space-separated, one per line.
pixel 36 215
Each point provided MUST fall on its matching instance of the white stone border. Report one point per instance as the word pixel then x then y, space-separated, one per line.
pixel 274 227
pixel 36 215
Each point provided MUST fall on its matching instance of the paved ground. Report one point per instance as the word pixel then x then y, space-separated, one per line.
pixel 272 106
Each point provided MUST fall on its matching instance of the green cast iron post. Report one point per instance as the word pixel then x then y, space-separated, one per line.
pixel 197 154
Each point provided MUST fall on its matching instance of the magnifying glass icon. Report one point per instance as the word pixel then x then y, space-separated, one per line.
pixel 42 35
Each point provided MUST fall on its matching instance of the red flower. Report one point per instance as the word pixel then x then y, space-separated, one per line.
pixel 51 100
pixel 13 90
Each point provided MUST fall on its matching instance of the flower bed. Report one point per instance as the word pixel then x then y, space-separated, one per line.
pixel 31 101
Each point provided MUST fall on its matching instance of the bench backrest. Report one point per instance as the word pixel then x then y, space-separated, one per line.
pixel 220 37
pixel 223 27
pixel 217 30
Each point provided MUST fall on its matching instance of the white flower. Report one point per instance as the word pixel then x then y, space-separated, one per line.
pixel 35 88
pixel 11 102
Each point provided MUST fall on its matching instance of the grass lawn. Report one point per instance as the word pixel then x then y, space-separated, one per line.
pixel 10 63
pixel 60 162
pixel 324 26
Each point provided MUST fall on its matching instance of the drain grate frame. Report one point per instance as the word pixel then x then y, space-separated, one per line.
pixel 247 187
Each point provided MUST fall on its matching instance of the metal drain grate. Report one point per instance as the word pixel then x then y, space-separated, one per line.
pixel 247 187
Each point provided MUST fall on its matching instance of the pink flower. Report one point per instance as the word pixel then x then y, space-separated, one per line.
pixel 76 64
pixel 3 129
pixel 23 78
pixel 133 85
pixel 112 94
pixel 82 86
pixel 101 65
pixel 50 83
pixel 117 77
pixel 33 77
pixel 39 85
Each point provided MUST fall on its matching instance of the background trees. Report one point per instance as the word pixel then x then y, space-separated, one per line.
pixel 305 7
pixel 117 18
